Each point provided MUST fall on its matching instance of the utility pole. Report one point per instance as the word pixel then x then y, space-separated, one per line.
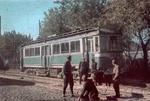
pixel 0 25
pixel 39 27
pixel 45 47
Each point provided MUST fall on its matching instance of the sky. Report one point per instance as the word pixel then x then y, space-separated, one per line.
pixel 23 15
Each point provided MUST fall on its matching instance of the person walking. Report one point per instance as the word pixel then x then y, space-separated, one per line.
pixel 68 76
pixel 116 77
pixel 83 69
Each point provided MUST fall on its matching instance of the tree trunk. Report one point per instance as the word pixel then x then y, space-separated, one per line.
pixel 145 56
pixel 145 61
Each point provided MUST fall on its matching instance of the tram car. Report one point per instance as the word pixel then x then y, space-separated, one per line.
pixel 50 53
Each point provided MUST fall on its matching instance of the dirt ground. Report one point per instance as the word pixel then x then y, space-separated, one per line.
pixel 14 88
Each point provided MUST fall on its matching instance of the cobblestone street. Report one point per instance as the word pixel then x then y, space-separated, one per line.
pixel 50 89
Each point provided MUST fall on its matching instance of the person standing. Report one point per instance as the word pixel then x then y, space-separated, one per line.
pixel 83 69
pixel 94 70
pixel 68 76
pixel 116 77
pixel 93 66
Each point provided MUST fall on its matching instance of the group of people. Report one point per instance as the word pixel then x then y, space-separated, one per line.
pixel 89 91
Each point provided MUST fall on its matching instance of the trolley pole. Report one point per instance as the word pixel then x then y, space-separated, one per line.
pixel 45 52
pixel 21 59
pixel 87 50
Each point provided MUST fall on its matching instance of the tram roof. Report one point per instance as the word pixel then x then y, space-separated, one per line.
pixel 72 33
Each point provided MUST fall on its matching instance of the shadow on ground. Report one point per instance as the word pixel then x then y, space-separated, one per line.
pixel 109 98
pixel 62 99
pixel 133 95
pixel 133 82
pixel 6 81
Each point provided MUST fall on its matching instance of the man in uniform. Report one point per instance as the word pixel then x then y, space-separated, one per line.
pixel 83 69
pixel 68 76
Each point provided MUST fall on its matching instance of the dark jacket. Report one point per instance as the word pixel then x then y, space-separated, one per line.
pixel 89 90
pixel 67 69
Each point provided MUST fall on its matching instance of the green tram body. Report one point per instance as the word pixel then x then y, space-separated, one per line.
pixel 52 52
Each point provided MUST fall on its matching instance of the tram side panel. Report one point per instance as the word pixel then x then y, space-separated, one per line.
pixel 32 57
pixel 32 62
pixel 57 61
pixel 56 58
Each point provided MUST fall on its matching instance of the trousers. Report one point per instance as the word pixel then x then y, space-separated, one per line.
pixel 68 80
pixel 116 87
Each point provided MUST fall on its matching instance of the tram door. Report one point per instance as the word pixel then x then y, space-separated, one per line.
pixel 49 56
pixel 88 48
pixel 44 56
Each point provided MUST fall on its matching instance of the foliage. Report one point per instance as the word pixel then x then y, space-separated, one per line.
pixel 10 45
pixel 133 17
pixel 71 14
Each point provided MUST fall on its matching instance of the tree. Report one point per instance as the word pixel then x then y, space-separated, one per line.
pixel 54 23
pixel 72 14
pixel 133 17
pixel 10 45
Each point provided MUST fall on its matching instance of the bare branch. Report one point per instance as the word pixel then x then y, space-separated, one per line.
pixel 135 34
pixel 147 42
pixel 140 38
pixel 136 52
pixel 144 37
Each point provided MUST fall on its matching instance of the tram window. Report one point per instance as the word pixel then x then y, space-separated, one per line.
pixel 84 45
pixel 49 50
pixel 96 44
pixel 113 43
pixel 31 51
pixel 64 47
pixel 75 46
pixel 46 50
pixel 90 45
pixel 56 49
pixel 104 43
pixel 42 52
pixel 37 51
pixel 27 52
